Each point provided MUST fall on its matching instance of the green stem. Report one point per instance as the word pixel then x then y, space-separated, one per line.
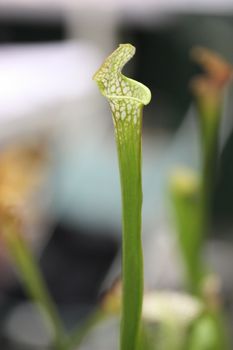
pixel 32 278
pixel 128 141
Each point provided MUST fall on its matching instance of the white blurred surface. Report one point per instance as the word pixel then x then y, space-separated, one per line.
pixel 42 75
pixel 134 4
pixel 26 327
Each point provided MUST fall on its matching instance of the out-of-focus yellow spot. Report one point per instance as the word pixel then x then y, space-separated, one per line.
pixel 111 301
pixel 184 182
pixel 20 173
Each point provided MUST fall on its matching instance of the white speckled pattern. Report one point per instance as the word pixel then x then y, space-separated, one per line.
pixel 126 96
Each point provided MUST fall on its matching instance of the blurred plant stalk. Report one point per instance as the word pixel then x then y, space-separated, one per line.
pixel 127 98
pixel 208 330
pixel 21 172
pixel 192 199
pixel 28 270
pixel 185 191
pixel 208 90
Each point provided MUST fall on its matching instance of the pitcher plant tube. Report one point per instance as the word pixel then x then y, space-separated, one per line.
pixel 127 98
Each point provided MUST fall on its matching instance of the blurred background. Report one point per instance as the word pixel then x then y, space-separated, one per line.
pixel 55 124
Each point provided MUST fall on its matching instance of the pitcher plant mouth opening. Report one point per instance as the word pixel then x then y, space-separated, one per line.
pixel 114 85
